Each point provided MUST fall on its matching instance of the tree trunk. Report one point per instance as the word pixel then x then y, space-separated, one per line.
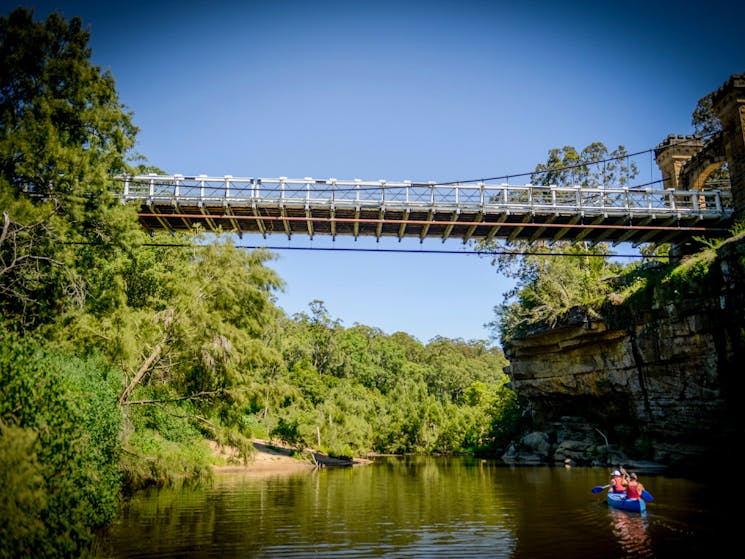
pixel 154 355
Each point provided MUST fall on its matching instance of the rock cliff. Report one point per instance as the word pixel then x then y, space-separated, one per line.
pixel 658 381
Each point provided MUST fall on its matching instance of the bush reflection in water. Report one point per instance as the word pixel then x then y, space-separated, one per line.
pixel 419 507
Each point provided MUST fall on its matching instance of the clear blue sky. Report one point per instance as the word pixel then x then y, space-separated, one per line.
pixel 439 90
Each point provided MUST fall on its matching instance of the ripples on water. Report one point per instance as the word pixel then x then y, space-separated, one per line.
pixel 417 507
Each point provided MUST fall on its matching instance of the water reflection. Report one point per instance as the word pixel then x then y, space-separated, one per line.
pixel 416 507
pixel 631 529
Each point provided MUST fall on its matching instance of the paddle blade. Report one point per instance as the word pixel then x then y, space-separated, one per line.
pixel 647 496
pixel 599 488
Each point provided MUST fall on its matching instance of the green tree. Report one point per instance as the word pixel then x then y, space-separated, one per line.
pixel 409 420
pixel 703 119
pixel 322 333
pixel 344 421
pixel 554 277
pixel 370 357
pixel 59 450
pixel 454 365
pixel 186 319
pixel 593 166
pixel 551 282
pixel 507 418
pixel 63 135
pixel 707 124
pixel 185 323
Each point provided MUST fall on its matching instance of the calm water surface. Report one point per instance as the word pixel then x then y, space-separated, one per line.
pixel 424 507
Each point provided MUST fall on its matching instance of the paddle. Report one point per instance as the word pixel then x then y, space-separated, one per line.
pixel 647 496
pixel 599 488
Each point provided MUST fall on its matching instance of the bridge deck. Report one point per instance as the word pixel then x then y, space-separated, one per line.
pixel 426 210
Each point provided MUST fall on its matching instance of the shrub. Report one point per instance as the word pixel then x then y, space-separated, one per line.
pixel 59 450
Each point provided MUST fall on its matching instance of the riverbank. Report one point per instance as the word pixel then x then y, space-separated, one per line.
pixel 275 457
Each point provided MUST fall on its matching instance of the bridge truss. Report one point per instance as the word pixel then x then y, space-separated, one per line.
pixel 357 208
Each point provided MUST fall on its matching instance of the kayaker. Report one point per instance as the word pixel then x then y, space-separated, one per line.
pixel 617 482
pixel 634 488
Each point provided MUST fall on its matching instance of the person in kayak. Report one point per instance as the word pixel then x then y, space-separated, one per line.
pixel 617 482
pixel 634 488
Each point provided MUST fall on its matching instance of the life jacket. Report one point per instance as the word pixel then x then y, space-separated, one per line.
pixel 617 485
pixel 632 490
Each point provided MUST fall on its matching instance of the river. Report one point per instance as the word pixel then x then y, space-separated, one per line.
pixel 422 507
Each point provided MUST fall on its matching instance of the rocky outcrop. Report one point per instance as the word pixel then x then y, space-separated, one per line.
pixel 659 382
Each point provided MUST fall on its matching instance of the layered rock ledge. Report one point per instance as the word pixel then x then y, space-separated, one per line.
pixel 659 385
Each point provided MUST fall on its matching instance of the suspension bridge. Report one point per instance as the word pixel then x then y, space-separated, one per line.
pixel 426 210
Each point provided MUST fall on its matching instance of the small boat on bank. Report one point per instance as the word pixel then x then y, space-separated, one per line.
pixel 619 501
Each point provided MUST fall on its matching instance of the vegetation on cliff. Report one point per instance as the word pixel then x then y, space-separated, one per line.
pixel 555 279
pixel 679 283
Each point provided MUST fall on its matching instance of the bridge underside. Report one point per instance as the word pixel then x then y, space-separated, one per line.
pixel 463 224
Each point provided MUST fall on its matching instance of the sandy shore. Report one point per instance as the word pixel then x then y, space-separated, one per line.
pixel 273 457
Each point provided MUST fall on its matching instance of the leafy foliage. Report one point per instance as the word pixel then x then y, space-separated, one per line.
pixel 593 166
pixel 59 450
pixel 63 135
pixel 551 282
pixel 707 124
pixel 388 393
pixel 703 119
pixel 555 277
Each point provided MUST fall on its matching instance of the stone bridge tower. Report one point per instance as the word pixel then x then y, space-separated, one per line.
pixel 686 162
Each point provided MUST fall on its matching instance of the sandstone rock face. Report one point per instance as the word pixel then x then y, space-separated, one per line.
pixel 664 384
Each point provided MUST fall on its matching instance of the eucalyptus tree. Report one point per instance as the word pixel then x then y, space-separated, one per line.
pixel 553 277
pixel 454 366
pixel 321 337
pixel 706 124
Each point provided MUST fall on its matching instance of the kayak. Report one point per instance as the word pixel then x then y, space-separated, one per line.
pixel 619 501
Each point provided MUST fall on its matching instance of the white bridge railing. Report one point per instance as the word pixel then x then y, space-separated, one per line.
pixel 481 197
